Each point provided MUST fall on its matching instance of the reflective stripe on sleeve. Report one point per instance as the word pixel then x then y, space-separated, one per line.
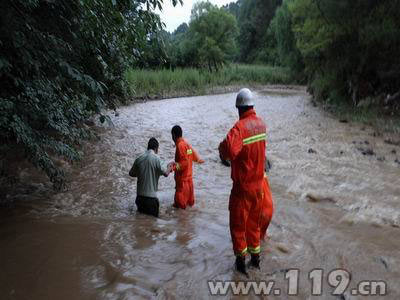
pixel 189 151
pixel 255 138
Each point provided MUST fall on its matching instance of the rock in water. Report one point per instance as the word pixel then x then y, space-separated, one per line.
pixel 317 198
pixel 366 151
pixel 312 151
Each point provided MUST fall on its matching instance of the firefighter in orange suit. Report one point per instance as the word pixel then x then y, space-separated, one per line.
pixel 184 157
pixel 244 146
pixel 267 208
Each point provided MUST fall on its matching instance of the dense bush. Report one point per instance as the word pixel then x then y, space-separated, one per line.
pixel 61 62
pixel 350 47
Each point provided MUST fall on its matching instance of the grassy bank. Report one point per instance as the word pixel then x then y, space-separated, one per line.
pixel 383 120
pixel 184 82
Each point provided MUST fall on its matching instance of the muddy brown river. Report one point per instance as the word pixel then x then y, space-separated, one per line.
pixel 335 209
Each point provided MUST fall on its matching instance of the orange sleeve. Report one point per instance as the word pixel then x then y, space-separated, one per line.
pixel 232 145
pixel 196 156
pixel 182 158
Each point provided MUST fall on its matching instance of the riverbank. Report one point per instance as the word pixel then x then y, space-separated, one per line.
pixel 379 118
pixel 162 84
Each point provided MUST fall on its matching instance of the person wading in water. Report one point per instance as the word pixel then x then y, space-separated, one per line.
pixel 148 168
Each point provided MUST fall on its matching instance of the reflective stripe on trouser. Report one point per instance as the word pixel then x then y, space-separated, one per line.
pixel 244 221
pixel 255 250
pixel 242 253
pixel 184 193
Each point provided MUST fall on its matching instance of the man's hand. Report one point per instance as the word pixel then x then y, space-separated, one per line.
pixel 171 167
pixel 200 161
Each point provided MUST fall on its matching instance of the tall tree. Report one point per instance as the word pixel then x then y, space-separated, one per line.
pixel 254 19
pixel 288 53
pixel 211 37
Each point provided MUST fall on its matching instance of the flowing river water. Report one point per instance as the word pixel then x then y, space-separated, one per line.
pixel 335 208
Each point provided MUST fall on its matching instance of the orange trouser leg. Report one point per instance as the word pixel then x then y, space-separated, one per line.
pixel 184 194
pixel 190 193
pixel 253 222
pixel 267 209
pixel 244 217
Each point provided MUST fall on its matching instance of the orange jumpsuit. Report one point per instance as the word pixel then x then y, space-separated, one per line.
pixel 267 208
pixel 244 146
pixel 184 157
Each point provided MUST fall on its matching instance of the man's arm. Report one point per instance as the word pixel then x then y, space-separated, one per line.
pixel 134 171
pixel 196 157
pixel 162 169
pixel 231 146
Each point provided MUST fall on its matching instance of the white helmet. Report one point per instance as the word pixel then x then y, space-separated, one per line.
pixel 244 98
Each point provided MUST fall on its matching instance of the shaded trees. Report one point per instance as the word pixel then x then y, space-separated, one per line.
pixel 61 62
pixel 254 18
pixel 285 43
pixel 344 49
pixel 350 48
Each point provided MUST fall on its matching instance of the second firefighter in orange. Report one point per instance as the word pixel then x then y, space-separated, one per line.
pixel 185 155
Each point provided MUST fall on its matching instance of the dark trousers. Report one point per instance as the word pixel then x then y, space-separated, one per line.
pixel 147 205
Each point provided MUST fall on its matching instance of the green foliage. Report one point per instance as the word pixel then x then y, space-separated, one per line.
pixel 254 18
pixel 287 51
pixel 350 48
pixel 154 52
pixel 233 8
pixel 168 83
pixel 163 82
pixel 60 63
pixel 208 41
